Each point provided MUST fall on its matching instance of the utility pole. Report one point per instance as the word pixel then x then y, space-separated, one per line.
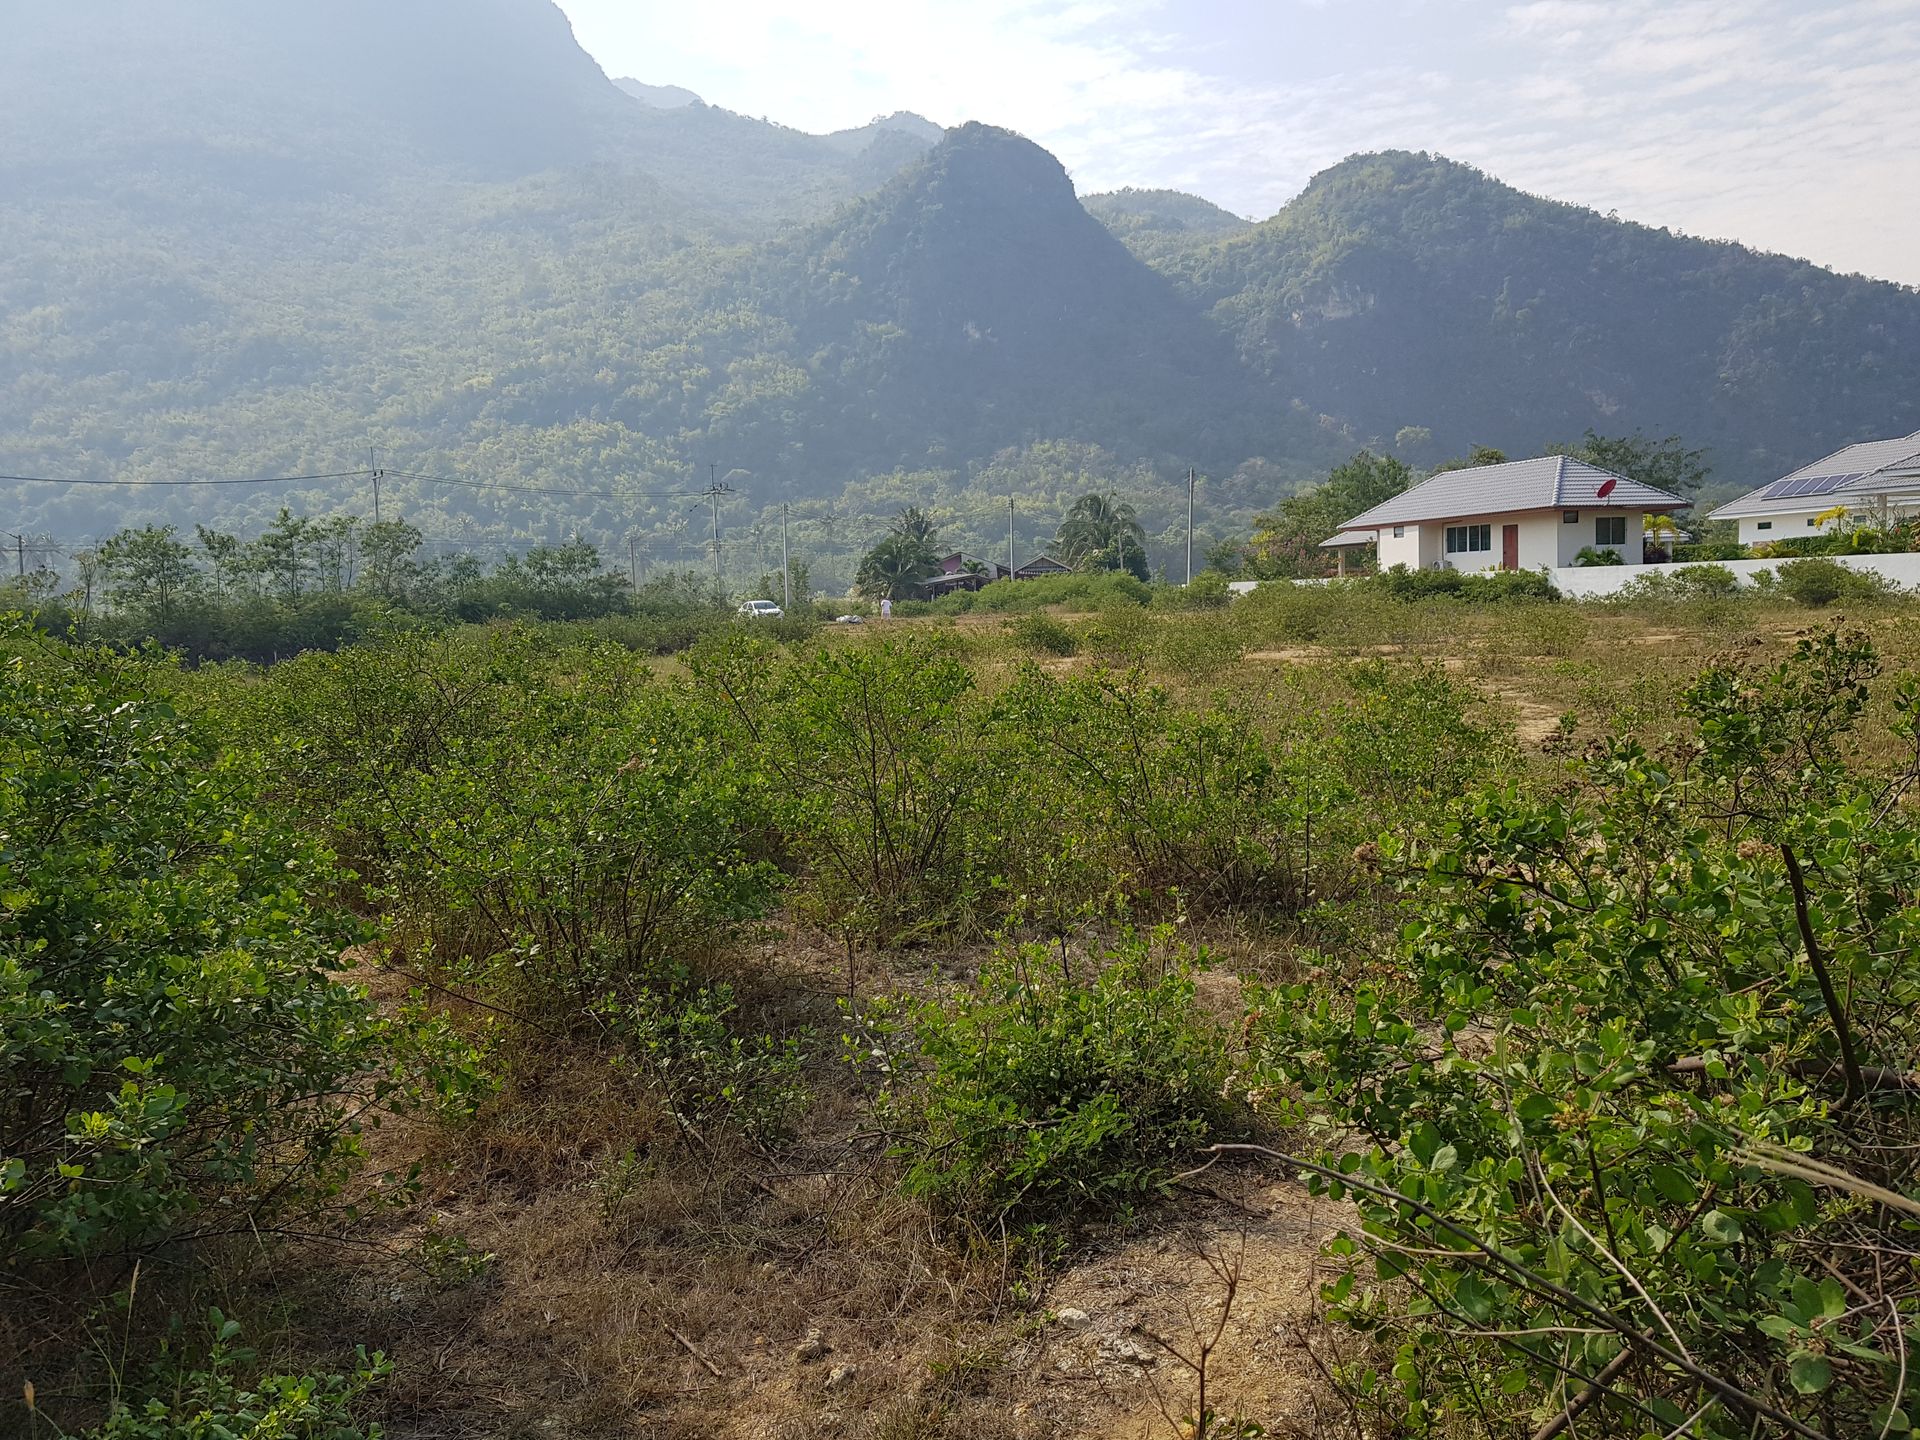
pixel 633 566
pixel 1190 480
pixel 20 552
pixel 713 492
pixel 373 464
pixel 1009 537
pixel 786 565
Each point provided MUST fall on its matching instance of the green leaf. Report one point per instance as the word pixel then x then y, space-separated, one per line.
pixel 1721 1228
pixel 1810 1374
pixel 1673 1184
pixel 1833 1299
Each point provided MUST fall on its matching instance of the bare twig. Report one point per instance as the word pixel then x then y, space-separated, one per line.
pixel 688 1346
pixel 1856 1086
pixel 1595 1388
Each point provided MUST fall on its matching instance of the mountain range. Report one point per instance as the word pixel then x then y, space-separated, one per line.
pixel 259 240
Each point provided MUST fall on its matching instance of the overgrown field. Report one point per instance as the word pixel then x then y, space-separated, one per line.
pixel 1336 1013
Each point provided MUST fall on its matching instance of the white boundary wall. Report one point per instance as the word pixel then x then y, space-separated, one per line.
pixel 1594 582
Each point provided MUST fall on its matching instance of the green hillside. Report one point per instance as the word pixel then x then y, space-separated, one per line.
pixel 248 240
pixel 1159 224
pixel 1404 289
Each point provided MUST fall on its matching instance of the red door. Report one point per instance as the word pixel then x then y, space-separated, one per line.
pixel 1509 547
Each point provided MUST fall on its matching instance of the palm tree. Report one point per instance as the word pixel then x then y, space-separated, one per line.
pixel 914 524
pixel 1661 532
pixel 1103 533
pixel 894 568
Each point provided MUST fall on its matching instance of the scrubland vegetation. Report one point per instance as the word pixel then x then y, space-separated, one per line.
pixel 501 1030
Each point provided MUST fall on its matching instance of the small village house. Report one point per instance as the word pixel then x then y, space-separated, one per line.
pixel 1521 515
pixel 1041 566
pixel 961 571
pixel 1876 481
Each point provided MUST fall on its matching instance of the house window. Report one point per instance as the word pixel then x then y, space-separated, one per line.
pixel 1810 520
pixel 1399 532
pixel 1764 525
pixel 1570 517
pixel 1610 530
pixel 1464 538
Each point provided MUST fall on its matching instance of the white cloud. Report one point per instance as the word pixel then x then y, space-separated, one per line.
pixel 1787 124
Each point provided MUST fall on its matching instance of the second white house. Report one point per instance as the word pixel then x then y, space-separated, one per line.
pixel 1521 515
pixel 1876 480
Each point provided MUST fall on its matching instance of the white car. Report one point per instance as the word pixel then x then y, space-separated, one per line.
pixel 848 620
pixel 761 610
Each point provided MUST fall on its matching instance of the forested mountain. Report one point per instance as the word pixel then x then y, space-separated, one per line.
pixel 246 239
pixel 1408 290
pixel 1158 224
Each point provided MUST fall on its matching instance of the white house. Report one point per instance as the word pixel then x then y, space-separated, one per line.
pixel 1522 515
pixel 1876 480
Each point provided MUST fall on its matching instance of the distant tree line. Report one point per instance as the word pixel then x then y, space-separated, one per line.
pixel 307 584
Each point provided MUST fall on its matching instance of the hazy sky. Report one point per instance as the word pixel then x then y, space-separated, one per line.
pixel 1787 124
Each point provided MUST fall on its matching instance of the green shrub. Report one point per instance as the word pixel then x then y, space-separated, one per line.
pixel 1043 635
pixel 1198 646
pixel 1100 590
pixel 1710 550
pixel 1038 1096
pixel 212 1402
pixel 1491 587
pixel 1405 742
pixel 1621 1038
pixel 874 768
pixel 1604 555
pixel 173 1040
pixel 600 828
pixel 681 1040
pixel 1683 583
pixel 1819 581
pixel 1157 798
pixel 1206 591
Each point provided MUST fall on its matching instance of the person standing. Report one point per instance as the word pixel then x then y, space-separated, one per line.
pixel 886 607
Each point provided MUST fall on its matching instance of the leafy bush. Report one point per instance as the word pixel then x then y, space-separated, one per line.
pixel 1158 798
pixel 1209 590
pixel 1405 741
pixel 1491 587
pixel 173 1042
pixel 875 767
pixel 598 829
pixel 1199 646
pixel 1817 582
pixel 1602 555
pixel 1683 583
pixel 1043 635
pixel 680 1039
pixel 1040 1096
pixel 211 1402
pixel 1635 1059
pixel 1100 590
pixel 1710 550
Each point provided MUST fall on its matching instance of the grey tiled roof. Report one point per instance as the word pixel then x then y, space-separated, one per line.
pixel 1349 537
pixel 1868 469
pixel 1551 482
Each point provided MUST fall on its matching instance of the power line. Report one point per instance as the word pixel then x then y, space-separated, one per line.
pixel 540 489
pixel 263 480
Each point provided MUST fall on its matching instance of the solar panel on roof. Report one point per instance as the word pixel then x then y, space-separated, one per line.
pixel 1809 485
